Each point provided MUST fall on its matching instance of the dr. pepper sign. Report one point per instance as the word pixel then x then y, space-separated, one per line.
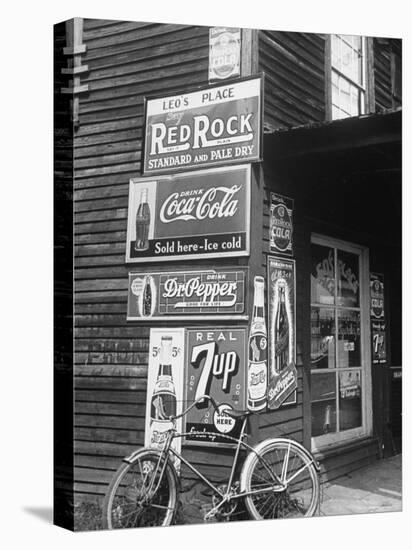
pixel 216 125
pixel 202 214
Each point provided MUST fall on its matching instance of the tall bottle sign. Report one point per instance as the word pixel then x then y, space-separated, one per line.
pixel 281 328
pixel 282 383
pixel 257 366
pixel 142 222
pixel 164 385
pixel 163 402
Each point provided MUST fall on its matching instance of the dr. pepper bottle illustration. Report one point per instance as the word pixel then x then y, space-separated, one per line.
pixel 258 368
pixel 281 326
pixel 163 403
pixel 142 222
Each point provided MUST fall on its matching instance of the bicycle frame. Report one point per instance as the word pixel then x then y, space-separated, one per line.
pixel 228 495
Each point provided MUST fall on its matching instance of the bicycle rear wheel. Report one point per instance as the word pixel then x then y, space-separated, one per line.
pixel 296 496
pixel 139 495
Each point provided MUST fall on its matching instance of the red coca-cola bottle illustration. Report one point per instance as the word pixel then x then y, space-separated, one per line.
pixel 258 365
pixel 142 222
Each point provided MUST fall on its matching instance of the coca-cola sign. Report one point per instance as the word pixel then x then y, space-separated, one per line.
pixel 215 365
pixel 219 124
pixel 192 215
pixel 281 332
pixel 215 293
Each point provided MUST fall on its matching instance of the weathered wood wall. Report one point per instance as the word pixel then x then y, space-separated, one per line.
pixel 385 52
pixel 126 62
pixel 294 66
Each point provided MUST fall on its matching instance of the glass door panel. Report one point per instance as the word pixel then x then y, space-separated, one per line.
pixel 323 403
pixel 349 338
pixel 323 275
pixel 348 279
pixel 323 338
pixel 350 399
pixel 337 365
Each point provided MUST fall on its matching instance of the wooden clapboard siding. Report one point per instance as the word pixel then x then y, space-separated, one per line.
pixel 294 67
pixel 288 420
pixel 384 50
pixel 382 72
pixel 126 62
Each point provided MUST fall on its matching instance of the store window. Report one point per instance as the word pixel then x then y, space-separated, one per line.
pixel 348 78
pixel 340 360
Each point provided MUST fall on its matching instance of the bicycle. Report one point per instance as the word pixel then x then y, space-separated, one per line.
pixel 279 478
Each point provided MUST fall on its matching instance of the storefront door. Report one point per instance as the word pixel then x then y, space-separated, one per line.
pixel 340 342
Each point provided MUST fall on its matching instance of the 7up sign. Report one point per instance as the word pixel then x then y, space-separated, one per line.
pixel 215 366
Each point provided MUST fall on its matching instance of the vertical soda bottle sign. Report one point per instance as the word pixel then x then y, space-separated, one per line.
pixel 282 328
pixel 142 222
pixel 258 368
pixel 163 403
pixel 147 297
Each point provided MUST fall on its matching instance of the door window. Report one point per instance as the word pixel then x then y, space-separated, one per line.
pixel 338 354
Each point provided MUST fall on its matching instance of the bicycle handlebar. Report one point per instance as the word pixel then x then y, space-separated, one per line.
pixel 233 413
pixel 198 400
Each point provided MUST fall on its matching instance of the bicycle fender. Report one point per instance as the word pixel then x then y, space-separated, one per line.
pixel 259 448
pixel 135 454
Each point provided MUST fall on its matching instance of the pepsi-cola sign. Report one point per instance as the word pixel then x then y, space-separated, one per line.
pixel 198 214
pixel 219 124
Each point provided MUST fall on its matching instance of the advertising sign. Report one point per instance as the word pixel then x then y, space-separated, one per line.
pixel 203 214
pixel 224 53
pixel 216 125
pixel 378 342
pixel 377 296
pixel 213 293
pixel 164 385
pixel 350 384
pixel 282 332
pixel 215 366
pixel 281 224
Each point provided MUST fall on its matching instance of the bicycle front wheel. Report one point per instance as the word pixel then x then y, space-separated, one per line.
pixel 143 493
pixel 282 481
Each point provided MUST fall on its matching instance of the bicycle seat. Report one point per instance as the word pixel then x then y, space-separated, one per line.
pixel 238 413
